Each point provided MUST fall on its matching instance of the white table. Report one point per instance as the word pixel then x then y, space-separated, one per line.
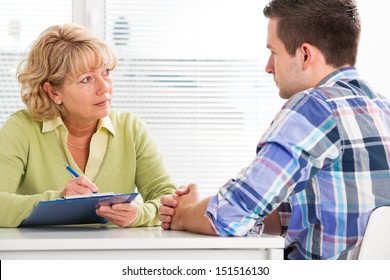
pixel 103 242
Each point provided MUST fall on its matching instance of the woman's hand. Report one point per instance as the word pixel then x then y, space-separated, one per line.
pixel 121 214
pixel 79 185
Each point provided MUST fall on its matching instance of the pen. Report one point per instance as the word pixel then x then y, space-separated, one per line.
pixel 71 170
pixel 74 173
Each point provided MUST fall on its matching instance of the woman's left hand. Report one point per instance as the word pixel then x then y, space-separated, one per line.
pixel 121 214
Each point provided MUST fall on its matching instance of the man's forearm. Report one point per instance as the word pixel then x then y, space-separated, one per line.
pixel 272 223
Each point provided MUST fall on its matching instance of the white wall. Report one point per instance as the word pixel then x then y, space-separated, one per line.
pixel 374 53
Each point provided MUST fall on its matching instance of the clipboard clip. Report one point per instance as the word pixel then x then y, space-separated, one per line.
pixel 87 195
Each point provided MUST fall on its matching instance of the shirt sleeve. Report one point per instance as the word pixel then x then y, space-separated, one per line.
pixel 152 177
pixel 14 142
pixel 285 216
pixel 302 138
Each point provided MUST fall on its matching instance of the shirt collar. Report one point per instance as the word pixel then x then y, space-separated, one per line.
pixel 342 73
pixel 51 125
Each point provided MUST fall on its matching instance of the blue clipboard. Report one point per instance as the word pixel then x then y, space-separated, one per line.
pixel 70 211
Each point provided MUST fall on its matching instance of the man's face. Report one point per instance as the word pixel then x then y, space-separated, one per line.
pixel 286 69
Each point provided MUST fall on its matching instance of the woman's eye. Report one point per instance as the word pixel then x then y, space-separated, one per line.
pixel 85 80
pixel 107 72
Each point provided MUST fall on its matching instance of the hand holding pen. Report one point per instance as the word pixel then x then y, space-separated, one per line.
pixel 78 184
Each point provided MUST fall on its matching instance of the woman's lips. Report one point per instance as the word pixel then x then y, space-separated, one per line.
pixel 103 103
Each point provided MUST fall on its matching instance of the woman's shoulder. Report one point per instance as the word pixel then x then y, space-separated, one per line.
pixel 20 124
pixel 128 123
pixel 21 118
pixel 119 118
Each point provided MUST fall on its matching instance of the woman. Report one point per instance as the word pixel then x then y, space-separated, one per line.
pixel 67 87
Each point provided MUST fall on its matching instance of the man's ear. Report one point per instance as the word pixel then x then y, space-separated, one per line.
pixel 52 93
pixel 307 54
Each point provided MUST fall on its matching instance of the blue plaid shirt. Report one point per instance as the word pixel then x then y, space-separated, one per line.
pixel 325 158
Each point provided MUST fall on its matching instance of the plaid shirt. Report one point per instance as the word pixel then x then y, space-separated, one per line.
pixel 326 157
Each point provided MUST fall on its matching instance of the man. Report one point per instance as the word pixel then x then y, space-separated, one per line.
pixel 323 165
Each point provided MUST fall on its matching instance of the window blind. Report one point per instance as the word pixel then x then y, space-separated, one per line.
pixel 194 70
pixel 21 22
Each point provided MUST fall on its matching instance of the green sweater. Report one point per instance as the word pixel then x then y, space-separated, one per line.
pixel 32 167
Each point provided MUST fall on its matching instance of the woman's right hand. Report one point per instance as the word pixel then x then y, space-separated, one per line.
pixel 79 185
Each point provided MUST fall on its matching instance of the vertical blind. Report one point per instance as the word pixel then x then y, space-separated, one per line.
pixel 193 70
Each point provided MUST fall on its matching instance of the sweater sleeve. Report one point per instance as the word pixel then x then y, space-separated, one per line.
pixel 152 178
pixel 14 154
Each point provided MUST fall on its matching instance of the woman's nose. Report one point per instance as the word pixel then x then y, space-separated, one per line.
pixel 103 85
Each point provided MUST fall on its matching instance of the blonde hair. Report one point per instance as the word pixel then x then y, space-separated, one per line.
pixel 60 51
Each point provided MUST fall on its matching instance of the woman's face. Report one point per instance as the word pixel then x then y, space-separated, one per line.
pixel 87 97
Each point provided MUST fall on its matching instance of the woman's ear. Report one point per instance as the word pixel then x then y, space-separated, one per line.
pixel 52 93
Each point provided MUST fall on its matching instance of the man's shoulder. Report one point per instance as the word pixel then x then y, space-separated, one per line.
pixel 311 99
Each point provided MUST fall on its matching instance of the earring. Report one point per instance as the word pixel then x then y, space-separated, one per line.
pixel 59 102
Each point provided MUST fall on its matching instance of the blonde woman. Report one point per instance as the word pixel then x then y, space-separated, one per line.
pixel 67 87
